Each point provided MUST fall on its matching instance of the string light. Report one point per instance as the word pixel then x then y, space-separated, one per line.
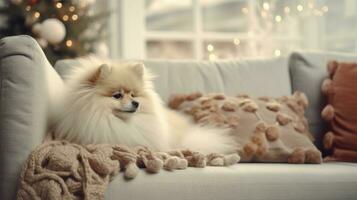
pixel 74 17
pixel 300 8
pixel 277 52
pixel 69 43
pixel 210 47
pixel 245 10
pixel 287 9
pixel 325 9
pixel 266 11
pixel 37 14
pixel 278 18
pixel 212 56
pixel 71 9
pixel 266 6
pixel 59 5
pixel 28 8
pixel 65 17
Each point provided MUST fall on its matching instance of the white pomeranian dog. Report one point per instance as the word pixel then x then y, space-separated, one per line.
pixel 115 103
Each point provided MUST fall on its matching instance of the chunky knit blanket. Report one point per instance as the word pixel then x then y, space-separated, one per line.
pixel 62 170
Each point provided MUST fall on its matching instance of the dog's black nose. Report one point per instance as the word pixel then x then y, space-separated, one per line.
pixel 135 104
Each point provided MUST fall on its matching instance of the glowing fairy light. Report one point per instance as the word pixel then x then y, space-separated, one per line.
pixel 71 9
pixel 212 56
pixel 277 52
pixel 58 5
pixel 69 43
pixel 37 14
pixel 299 8
pixel 210 47
pixel 266 6
pixel 74 17
pixel 65 17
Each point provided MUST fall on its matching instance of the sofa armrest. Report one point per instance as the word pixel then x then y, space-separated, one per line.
pixel 26 103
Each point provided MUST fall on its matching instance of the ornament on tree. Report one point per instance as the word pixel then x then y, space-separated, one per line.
pixel 63 28
pixel 52 30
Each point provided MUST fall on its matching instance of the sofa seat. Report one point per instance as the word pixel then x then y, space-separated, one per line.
pixel 242 181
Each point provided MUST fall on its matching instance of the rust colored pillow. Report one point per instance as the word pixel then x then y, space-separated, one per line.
pixel 341 111
pixel 266 129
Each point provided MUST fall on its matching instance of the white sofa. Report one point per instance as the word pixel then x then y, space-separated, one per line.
pixel 24 106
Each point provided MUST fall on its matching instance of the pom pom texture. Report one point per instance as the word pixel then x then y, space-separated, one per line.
pixel 266 129
pixel 340 112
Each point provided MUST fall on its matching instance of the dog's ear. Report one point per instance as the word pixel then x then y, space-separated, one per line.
pixel 138 69
pixel 103 71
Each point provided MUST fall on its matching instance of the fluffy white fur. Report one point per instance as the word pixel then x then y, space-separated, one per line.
pixel 89 115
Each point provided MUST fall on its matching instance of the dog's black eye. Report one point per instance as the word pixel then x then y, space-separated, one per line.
pixel 132 95
pixel 117 96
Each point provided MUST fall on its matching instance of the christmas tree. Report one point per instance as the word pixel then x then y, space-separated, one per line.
pixel 63 28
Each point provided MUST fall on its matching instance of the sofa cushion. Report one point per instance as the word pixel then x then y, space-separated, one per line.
pixel 24 105
pixel 308 70
pixel 256 77
pixel 242 181
pixel 340 112
pixel 266 129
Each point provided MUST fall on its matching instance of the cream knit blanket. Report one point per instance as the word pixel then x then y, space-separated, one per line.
pixel 61 170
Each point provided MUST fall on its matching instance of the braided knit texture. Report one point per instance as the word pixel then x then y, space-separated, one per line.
pixel 62 170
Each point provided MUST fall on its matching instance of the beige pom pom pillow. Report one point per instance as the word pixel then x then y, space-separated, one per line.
pixel 266 129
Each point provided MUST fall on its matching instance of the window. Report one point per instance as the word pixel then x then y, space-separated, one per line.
pixel 224 29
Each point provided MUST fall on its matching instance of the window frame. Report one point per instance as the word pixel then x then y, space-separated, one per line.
pixel 129 24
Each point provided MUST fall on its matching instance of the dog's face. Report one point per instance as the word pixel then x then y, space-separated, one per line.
pixel 121 87
pixel 125 100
